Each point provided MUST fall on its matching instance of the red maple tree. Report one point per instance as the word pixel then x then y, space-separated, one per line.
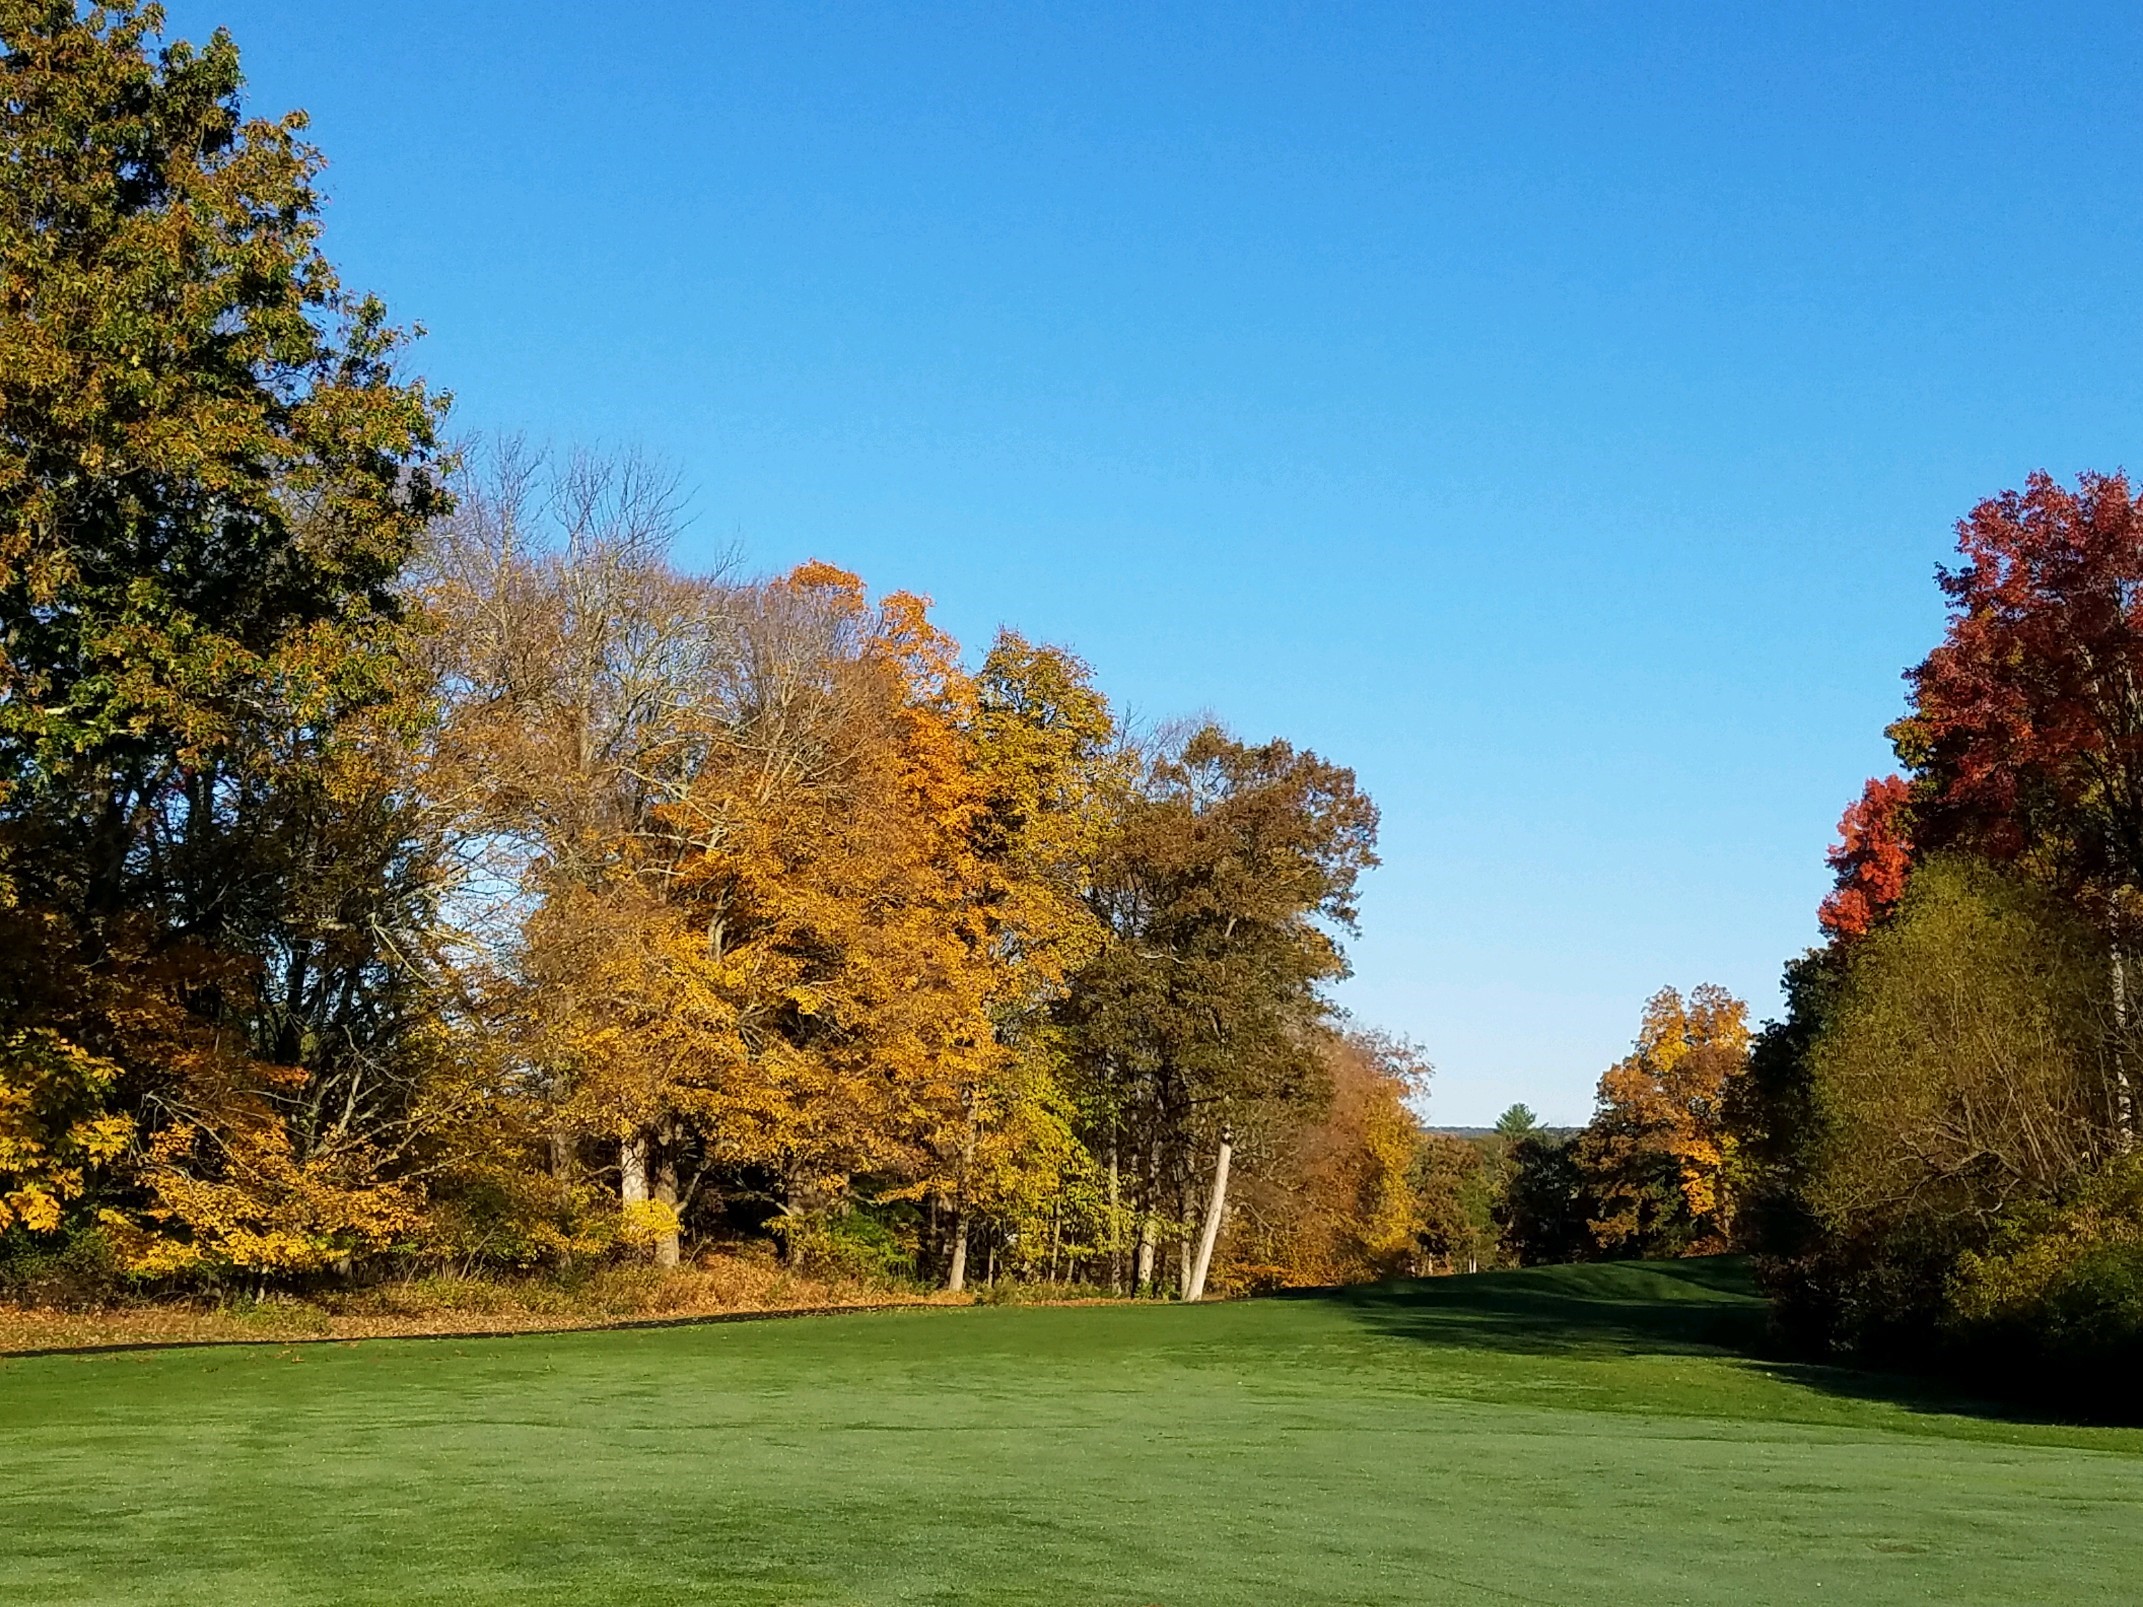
pixel 2025 735
pixel 2027 727
pixel 1872 857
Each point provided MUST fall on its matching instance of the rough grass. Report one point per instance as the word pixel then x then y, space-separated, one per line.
pixel 1572 1436
pixel 722 1285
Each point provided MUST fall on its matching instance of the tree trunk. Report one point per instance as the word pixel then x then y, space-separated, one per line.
pixel 666 1245
pixel 1143 1282
pixel 1116 1247
pixel 632 1168
pixel 1184 1209
pixel 956 1279
pixel 2124 1105
pixel 1215 1204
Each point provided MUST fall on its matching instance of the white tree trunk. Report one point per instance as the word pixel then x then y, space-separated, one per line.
pixel 956 1279
pixel 632 1168
pixel 1143 1281
pixel 1215 1204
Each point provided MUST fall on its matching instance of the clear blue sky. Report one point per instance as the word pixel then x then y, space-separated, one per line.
pixel 1554 412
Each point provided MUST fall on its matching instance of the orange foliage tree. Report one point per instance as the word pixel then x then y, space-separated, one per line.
pixel 1658 1155
pixel 1336 1202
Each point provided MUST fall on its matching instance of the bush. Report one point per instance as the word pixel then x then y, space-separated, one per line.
pixel 2094 1311
pixel 864 1244
pixel 74 1271
pixel 2057 1297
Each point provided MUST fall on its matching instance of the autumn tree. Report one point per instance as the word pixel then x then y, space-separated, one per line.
pixel 1464 1184
pixel 211 474
pixel 1871 859
pixel 578 671
pixel 2024 741
pixel 1958 1077
pixel 1048 766
pixel 1658 1152
pixel 792 893
pixel 1332 1198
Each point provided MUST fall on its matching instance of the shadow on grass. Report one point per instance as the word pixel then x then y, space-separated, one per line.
pixel 1707 1306
pixel 1614 1308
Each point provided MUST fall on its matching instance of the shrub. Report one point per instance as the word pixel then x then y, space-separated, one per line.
pixel 864 1244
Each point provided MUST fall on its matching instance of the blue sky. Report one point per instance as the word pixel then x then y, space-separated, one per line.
pixel 1554 412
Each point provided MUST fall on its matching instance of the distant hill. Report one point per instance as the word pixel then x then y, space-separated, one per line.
pixel 1490 1132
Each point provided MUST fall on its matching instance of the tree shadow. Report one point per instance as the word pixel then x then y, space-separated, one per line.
pixel 1707 1306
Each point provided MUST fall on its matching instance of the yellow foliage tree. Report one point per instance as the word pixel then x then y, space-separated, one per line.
pixel 1658 1152
pixel 55 1126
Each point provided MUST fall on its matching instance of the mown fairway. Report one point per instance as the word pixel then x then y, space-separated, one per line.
pixel 1577 1435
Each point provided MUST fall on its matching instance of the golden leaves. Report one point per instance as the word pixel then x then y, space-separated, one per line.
pixel 54 1128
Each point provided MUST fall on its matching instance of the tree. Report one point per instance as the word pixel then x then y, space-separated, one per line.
pixel 211 475
pixel 1967 1060
pixel 1871 859
pixel 1196 1021
pixel 1547 1208
pixel 1658 1150
pixel 1334 1198
pixel 1770 1111
pixel 2021 811
pixel 1045 757
pixel 2026 733
pixel 1939 1085
pixel 1517 1123
pixel 1458 1185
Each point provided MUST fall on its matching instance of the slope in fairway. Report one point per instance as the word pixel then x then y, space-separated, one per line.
pixel 1576 1435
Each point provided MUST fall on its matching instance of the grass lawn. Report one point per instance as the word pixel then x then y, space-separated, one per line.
pixel 1572 1435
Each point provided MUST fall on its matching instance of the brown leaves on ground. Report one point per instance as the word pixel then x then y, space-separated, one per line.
pixel 717 1286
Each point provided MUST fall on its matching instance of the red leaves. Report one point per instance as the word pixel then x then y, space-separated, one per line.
pixel 1872 856
pixel 2028 719
pixel 2025 738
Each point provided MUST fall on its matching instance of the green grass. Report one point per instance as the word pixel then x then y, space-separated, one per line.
pixel 1576 1435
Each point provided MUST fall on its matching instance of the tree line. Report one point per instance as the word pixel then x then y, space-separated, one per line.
pixel 405 860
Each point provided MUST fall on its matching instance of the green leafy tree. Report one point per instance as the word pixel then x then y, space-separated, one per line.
pixel 1220 892
pixel 1547 1206
pixel 1962 1076
pixel 1516 1123
pixel 211 476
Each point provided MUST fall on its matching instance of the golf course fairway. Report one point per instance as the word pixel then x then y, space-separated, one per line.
pixel 1568 1435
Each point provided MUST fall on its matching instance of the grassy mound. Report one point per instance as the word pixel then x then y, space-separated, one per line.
pixel 1574 1435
